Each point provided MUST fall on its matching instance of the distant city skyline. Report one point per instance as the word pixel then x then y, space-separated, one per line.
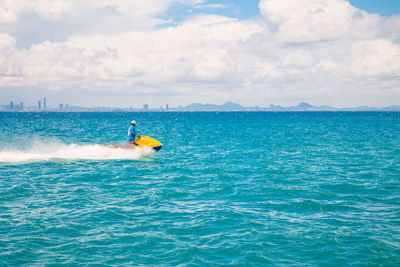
pixel 256 52
pixel 227 106
pixel 39 106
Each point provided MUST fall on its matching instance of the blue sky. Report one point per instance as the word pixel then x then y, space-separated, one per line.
pixel 382 7
pixel 253 52
pixel 249 8
pixel 235 9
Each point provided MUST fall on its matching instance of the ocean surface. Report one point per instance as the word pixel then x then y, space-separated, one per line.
pixel 228 188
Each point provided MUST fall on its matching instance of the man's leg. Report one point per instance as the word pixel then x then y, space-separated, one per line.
pixel 132 142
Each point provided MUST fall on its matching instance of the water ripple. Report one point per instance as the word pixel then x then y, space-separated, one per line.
pixel 284 189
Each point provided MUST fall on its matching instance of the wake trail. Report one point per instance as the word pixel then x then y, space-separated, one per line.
pixel 43 151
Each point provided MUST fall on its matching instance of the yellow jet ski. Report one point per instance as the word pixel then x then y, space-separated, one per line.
pixel 143 141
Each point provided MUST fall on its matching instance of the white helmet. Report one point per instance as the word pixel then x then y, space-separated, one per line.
pixel 133 122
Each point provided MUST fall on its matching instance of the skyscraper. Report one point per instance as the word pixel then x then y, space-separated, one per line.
pixel 166 107
pixel 39 104
pixel 11 105
pixel 21 106
pixel 44 104
pixel 61 107
pixel 146 107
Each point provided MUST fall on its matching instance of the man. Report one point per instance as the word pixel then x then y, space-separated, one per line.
pixel 132 134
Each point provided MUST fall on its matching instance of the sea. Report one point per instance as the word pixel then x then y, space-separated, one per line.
pixel 226 189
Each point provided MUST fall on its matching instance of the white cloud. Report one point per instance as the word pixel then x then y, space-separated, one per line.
pixel 301 50
pixel 11 10
pixel 197 50
pixel 318 20
pixel 7 50
pixel 299 58
pixel 6 42
pixel 49 9
pixel 376 58
pixel 7 15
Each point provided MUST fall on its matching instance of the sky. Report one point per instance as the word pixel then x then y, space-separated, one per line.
pixel 254 52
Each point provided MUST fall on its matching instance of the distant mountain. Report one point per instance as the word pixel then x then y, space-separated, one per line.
pixel 366 108
pixel 232 106
pixel 304 106
pixel 391 108
pixel 307 107
pixel 301 107
pixel 228 106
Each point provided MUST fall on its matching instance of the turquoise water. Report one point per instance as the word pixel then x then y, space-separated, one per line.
pixel 226 189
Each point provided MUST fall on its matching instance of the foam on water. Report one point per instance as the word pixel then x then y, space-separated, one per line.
pixel 45 151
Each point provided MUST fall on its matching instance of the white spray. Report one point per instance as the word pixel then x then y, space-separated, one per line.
pixel 45 151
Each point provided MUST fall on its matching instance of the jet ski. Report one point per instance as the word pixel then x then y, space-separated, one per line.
pixel 144 141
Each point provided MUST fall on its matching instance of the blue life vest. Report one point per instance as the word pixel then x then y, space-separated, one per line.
pixel 132 133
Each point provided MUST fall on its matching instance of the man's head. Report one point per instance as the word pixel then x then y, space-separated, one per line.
pixel 133 123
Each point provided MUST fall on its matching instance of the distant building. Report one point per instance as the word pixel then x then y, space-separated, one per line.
pixel 21 106
pixel 44 103
pixel 39 104
pixel 60 107
pixel 146 107
pixel 167 108
pixel 66 106
pixel 11 105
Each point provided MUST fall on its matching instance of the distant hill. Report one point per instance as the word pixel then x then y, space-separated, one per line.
pixel 391 108
pixel 302 107
pixel 230 106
